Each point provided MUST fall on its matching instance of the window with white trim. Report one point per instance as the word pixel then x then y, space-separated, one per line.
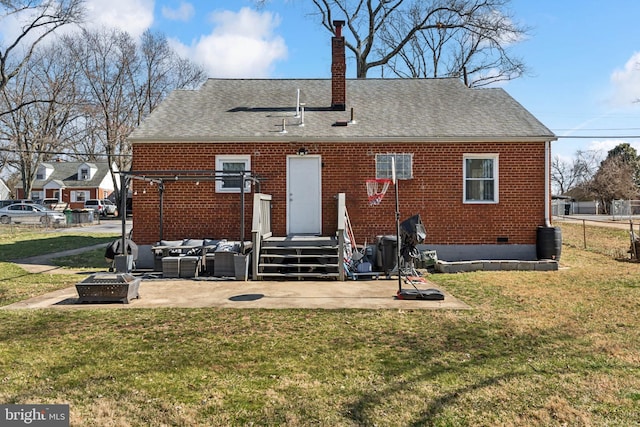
pixel 230 164
pixel 403 165
pixel 79 196
pixel 480 178
pixel 84 174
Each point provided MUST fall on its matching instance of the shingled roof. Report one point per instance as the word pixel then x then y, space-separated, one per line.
pixel 417 110
pixel 65 174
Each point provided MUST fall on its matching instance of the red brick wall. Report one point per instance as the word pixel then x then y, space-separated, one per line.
pixel 435 192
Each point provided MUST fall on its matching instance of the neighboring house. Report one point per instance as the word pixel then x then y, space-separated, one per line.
pixel 70 182
pixel 4 190
pixel 473 163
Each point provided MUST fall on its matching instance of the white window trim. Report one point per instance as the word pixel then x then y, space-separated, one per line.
pixel 496 169
pixel 221 159
pixel 74 196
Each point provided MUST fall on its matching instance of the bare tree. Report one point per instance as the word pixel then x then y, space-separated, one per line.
pixel 37 130
pixel 161 71
pixel 434 38
pixel 567 176
pixel 37 19
pixel 122 83
pixel 627 154
pixel 107 59
pixel 614 180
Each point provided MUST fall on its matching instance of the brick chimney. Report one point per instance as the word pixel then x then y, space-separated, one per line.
pixel 338 70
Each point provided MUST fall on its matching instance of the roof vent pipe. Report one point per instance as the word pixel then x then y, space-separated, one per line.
pixel 301 115
pixel 297 103
pixel 353 119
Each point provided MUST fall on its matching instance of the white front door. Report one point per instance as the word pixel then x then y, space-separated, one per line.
pixel 304 212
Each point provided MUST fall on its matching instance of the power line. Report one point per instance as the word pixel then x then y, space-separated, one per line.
pixel 63 153
pixel 592 129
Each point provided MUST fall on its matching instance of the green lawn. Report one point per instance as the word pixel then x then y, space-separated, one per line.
pixel 538 348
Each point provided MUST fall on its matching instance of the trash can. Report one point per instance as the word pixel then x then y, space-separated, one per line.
pixel 387 256
pixel 68 213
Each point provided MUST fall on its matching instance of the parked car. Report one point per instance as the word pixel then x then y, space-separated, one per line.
pixel 50 203
pixel 8 202
pixel 109 207
pixel 102 207
pixel 30 212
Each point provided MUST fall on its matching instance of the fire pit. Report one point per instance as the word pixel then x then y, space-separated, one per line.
pixel 108 287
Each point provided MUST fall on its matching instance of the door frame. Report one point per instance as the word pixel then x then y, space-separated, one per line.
pixel 318 164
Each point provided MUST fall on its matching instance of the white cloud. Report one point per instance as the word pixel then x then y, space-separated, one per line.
pixel 603 146
pixel 132 16
pixel 241 44
pixel 183 13
pixel 626 82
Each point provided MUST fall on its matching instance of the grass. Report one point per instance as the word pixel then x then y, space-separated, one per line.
pixel 539 348
pixel 16 243
pixel 90 260
pixel 22 242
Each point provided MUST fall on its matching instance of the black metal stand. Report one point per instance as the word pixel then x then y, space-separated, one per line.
pixel 415 293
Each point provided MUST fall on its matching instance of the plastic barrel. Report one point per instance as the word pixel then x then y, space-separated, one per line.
pixel 549 243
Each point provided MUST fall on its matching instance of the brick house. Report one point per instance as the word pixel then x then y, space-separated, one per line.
pixel 70 182
pixel 473 163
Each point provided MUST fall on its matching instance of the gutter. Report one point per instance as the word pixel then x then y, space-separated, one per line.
pixel 341 139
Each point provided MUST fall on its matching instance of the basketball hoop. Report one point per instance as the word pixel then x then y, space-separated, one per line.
pixel 376 189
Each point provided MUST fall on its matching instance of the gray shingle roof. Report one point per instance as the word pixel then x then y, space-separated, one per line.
pixel 384 109
pixel 66 174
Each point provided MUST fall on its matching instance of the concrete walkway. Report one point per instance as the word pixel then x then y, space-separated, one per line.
pixel 42 263
pixel 197 293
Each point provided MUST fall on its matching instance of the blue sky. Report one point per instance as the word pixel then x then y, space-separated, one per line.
pixel 584 55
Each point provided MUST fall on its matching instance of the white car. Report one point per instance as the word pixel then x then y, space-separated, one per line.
pixel 102 207
pixel 21 213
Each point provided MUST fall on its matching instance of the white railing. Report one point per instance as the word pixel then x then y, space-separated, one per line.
pixel 343 225
pixel 261 227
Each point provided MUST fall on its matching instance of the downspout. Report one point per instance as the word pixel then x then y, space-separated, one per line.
pixel 161 191
pixel 547 182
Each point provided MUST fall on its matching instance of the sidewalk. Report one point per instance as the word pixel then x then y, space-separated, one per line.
pixel 42 263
